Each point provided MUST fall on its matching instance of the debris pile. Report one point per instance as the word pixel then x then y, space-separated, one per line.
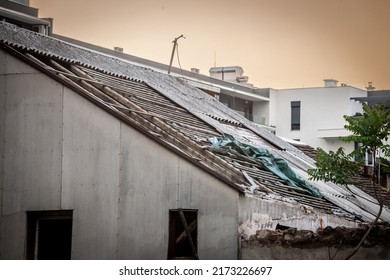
pixel 337 237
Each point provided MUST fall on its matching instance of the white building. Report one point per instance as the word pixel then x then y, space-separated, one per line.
pixel 315 115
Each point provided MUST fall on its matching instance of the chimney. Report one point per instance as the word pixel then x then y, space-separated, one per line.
pixel 195 70
pixel 118 49
pixel 330 83
pixel 370 87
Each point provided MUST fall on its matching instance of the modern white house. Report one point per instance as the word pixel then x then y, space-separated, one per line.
pixel 315 115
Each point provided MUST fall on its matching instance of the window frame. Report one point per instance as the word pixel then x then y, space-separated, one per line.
pixel 186 220
pixel 295 115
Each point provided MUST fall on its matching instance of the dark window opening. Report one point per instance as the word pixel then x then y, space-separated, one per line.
pixel 358 157
pixel 183 234
pixel 295 115
pixel 49 235
pixel 370 158
pixel 242 106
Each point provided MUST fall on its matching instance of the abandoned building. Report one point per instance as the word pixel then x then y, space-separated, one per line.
pixel 103 159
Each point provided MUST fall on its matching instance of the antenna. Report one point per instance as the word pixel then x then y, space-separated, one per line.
pixel 173 51
pixel 215 58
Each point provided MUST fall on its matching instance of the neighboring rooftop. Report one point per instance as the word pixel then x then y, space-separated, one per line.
pixel 21 14
pixel 376 97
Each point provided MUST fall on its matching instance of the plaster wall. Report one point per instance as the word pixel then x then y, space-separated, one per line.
pixel 273 116
pixel 322 111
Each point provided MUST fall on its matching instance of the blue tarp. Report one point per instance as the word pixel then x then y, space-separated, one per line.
pixel 277 166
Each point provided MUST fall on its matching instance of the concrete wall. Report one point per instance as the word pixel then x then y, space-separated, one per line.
pixel 322 111
pixel 171 183
pixel 253 251
pixel 31 136
pixel 59 151
pixel 90 179
pixel 2 127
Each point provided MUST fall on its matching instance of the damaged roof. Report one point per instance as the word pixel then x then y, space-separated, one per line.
pixel 183 119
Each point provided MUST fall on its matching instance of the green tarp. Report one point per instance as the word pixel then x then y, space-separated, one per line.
pixel 277 166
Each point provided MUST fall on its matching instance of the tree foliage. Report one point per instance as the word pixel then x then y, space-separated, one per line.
pixel 336 167
pixel 371 130
pixel 385 166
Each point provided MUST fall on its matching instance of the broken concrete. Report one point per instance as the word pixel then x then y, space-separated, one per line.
pixel 326 243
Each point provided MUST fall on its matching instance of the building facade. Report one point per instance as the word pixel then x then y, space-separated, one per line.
pixel 315 115
pixel 22 14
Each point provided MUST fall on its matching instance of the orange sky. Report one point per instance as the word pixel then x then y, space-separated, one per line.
pixel 279 43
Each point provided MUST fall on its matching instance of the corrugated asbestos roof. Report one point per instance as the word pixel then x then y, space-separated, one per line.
pixel 181 118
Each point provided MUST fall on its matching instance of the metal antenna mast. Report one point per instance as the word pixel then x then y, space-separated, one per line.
pixel 173 51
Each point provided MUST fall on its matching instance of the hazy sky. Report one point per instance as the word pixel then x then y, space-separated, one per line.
pixel 279 43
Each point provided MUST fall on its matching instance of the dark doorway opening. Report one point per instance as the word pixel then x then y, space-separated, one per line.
pixel 49 235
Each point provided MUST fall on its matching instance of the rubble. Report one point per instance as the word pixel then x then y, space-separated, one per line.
pixel 338 237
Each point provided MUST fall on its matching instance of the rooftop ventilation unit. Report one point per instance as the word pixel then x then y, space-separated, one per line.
pixel 195 70
pixel 242 79
pixel 330 83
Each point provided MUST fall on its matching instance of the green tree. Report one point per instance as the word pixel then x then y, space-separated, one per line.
pixel 336 167
pixel 371 130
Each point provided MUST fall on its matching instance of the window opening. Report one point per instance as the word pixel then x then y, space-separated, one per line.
pixel 183 234
pixel 357 146
pixel 369 158
pixel 49 235
pixel 295 115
